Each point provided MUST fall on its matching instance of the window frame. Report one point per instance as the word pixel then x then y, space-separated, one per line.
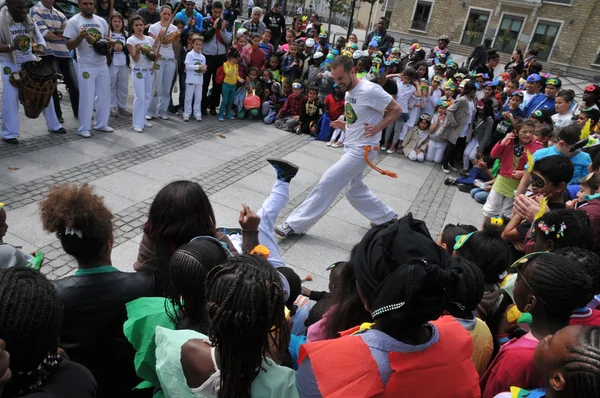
pixel 511 14
pixel 537 22
pixel 432 2
pixel 487 26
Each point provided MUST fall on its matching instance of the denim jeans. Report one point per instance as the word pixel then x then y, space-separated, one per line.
pixel 479 195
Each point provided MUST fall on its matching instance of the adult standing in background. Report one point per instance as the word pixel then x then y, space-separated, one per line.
pixel 255 25
pixel 275 21
pixel 166 66
pixel 102 9
pixel 250 7
pixel 51 24
pixel 216 43
pixel 149 14
pixel 191 18
pixel 81 32
pixel 230 14
pixel 489 68
pixel 314 18
pixel 479 54
pixel 380 34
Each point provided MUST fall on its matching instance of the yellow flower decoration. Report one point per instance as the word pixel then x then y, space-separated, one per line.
pixel 585 132
pixel 543 208
pixel 530 161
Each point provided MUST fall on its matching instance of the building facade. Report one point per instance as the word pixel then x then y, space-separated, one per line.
pixel 566 33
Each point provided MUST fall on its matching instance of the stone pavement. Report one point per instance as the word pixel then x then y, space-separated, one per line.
pixel 228 160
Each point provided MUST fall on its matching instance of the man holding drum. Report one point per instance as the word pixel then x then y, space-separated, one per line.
pixel 87 33
pixel 18 33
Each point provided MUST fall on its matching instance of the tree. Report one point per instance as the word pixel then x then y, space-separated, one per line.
pixel 335 5
pixel 372 2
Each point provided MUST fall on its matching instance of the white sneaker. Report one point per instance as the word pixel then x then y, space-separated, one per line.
pixel 84 134
pixel 384 148
pixel 283 230
pixel 147 124
pixel 186 119
pixel 148 117
pixel 105 129
pixel 330 143
pixel 138 130
pixel 390 151
pixel 198 119
pixel 337 145
pixel 163 117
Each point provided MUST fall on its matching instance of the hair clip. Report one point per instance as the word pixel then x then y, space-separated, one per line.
pixel 499 221
pixel 387 308
pixel 1 205
pixel 460 240
pixel 73 231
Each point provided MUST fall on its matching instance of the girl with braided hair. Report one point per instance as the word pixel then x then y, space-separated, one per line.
pixel 406 281
pixel 560 229
pixel 248 335
pixel 549 287
pixel 30 316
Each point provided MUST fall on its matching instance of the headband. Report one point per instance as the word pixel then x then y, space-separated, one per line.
pixel 460 240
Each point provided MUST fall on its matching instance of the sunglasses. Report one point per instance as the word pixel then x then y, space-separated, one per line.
pixel 537 181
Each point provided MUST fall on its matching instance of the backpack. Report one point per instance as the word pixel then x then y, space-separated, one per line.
pixel 220 75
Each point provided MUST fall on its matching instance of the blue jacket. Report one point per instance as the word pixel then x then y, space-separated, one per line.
pixel 540 102
pixel 196 28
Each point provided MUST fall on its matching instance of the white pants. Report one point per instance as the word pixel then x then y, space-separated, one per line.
pixel 470 153
pixel 497 205
pixel 414 156
pixel 394 131
pixel 435 151
pixel 410 123
pixel 163 80
pixel 119 86
pixel 192 92
pixel 268 213
pixel 346 173
pixel 94 93
pixel 338 135
pixel 10 106
pixel 142 90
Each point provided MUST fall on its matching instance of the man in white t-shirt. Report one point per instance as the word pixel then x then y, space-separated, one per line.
pixel 366 103
pixel 14 51
pixel 562 104
pixel 82 31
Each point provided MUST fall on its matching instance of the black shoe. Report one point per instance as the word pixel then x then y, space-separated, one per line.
pixel 10 140
pixel 213 112
pixel 464 188
pixel 61 120
pixel 285 170
pixel 61 130
pixel 204 113
pixel 449 181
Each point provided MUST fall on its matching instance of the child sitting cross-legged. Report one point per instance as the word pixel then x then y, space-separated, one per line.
pixel 310 112
pixel 416 141
pixel 290 113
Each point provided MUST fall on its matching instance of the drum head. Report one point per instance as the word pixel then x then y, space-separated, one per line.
pixel 37 69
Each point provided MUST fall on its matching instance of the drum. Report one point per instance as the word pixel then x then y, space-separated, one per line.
pixel 36 82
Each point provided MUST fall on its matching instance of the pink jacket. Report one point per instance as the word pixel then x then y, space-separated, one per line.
pixel 506 153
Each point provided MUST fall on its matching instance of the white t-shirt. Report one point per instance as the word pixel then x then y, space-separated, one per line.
pixel 192 61
pixel 143 61
pixel 22 42
pixel 365 103
pixel 405 92
pixel 166 50
pixel 96 26
pixel 526 98
pixel 119 57
pixel 561 121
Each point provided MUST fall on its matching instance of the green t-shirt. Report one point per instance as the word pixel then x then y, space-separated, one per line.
pixel 507 186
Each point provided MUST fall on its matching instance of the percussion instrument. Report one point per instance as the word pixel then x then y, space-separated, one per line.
pixel 36 82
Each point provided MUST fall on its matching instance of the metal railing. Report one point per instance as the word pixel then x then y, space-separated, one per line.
pixel 419 25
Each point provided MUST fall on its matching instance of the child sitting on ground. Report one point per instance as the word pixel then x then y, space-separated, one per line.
pixel 290 113
pixel 589 186
pixel 252 86
pixel 415 143
pixel 272 104
pixel 310 112
pixel 10 256
pixel 543 134
pixel 447 238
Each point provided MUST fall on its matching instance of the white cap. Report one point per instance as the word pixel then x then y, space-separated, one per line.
pixel 357 54
pixel 310 42
pixel 318 55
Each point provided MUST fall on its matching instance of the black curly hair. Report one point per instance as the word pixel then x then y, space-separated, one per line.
pixel 582 364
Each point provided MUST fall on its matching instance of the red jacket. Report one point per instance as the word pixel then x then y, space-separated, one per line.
pixel 506 155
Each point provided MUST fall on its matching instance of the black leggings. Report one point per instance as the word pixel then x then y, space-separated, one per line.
pixel 453 151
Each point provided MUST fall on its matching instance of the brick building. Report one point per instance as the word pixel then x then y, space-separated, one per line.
pixel 565 32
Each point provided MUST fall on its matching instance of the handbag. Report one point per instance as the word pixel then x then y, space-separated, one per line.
pixel 252 101
pixel 323 132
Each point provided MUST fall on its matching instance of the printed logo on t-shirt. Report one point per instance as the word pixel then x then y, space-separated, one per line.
pixel 156 66
pixel 350 114
pixel 85 75
pixel 199 70
pixel 6 70
pixel 22 43
pixel 95 33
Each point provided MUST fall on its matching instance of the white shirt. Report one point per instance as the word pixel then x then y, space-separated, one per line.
pixel 405 92
pixel 86 55
pixel 526 98
pixel 166 50
pixel 561 121
pixel 119 57
pixel 192 61
pixel 143 61
pixel 22 42
pixel 365 103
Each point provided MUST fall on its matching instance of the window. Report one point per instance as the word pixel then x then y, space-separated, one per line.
pixel 421 16
pixel 475 27
pixel 543 38
pixel 566 2
pixel 508 33
pixel 597 59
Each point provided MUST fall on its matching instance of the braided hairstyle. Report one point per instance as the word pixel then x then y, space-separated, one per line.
pixel 582 365
pixel 586 257
pixel 78 207
pixel 561 228
pixel 245 307
pixel 561 284
pixel 188 268
pixel 30 321
pixel 488 251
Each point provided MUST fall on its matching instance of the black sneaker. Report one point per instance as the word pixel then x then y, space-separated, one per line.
pixel 285 170
pixel 464 188
pixel 13 141
pixel 213 112
pixel 61 120
pixel 61 130
pixel 449 181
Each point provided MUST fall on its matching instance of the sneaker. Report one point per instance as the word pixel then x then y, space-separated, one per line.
pixel 338 145
pixel 330 143
pixel 283 230
pixel 384 148
pixel 452 167
pixel 12 141
pixel 114 112
pixel 221 118
pixel 186 119
pixel 138 130
pixel 59 131
pixel 285 170
pixel 148 117
pixel 198 119
pixel 231 117
pixel 105 129
pixel 147 124
pixel 445 170
pixel 390 151
pixel 449 181
pixel 163 117
pixel 84 134
pixel 464 188
pixel 125 112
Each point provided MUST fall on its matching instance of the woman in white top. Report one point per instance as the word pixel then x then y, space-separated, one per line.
pixel 142 54
pixel 166 33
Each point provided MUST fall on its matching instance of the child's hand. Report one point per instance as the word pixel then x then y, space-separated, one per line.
pixel 241 80
pixel 517 174
pixel 338 124
pixel 509 137
pixel 297 118
pixel 571 204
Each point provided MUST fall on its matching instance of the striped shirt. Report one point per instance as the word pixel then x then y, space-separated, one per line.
pixel 53 21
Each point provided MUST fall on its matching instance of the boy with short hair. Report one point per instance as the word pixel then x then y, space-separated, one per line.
pixel 265 44
pixel 255 57
pixel 546 101
pixel 291 64
pixel 289 114
pixel 310 112
pixel 562 105
pixel 533 88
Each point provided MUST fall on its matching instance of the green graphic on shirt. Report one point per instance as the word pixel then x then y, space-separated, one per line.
pixel 145 49
pixel 198 71
pixel 6 70
pixel 139 75
pixel 350 114
pixel 156 66
pixel 22 43
pixel 95 33
pixel 85 75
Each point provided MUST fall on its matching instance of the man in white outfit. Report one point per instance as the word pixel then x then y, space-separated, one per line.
pixel 18 32
pixel 366 103
pixel 82 31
